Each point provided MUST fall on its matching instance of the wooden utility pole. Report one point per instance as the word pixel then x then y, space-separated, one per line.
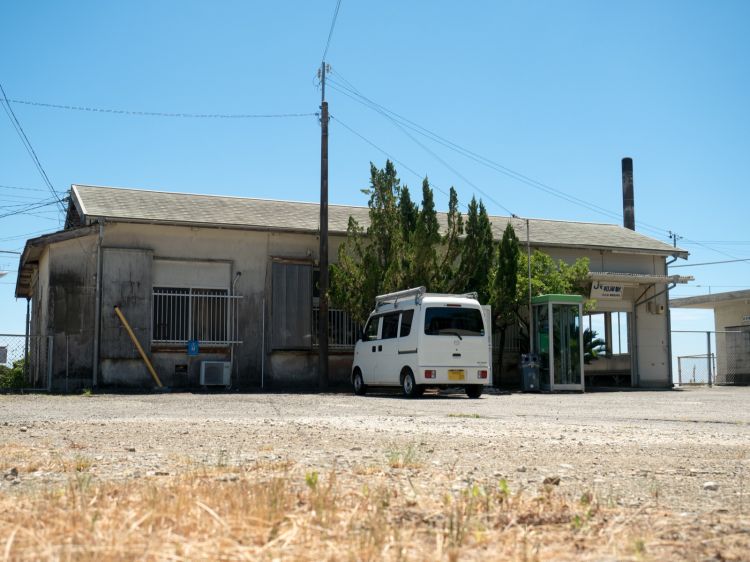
pixel 323 261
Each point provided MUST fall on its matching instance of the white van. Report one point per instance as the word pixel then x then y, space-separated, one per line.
pixel 414 339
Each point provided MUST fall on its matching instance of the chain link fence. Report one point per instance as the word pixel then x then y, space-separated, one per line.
pixel 25 363
pixel 714 357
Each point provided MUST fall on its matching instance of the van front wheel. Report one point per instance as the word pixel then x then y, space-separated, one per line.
pixel 410 388
pixel 474 390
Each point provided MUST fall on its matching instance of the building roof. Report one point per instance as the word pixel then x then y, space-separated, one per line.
pixel 710 301
pixel 93 203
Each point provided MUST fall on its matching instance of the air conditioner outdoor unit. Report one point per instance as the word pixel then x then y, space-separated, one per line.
pixel 216 373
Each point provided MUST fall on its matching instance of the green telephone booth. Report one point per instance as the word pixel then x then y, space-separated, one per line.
pixel 558 341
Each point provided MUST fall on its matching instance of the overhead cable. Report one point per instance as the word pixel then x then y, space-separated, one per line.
pixel 29 148
pixel 330 31
pixel 162 113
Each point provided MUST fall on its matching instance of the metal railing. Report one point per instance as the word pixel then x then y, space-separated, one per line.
pixel 342 330
pixel 207 315
pixel 719 357
pixel 695 369
pixel 25 362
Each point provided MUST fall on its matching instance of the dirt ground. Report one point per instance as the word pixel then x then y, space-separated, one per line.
pixel 685 451
pixel 635 447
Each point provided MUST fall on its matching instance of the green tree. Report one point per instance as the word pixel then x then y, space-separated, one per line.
pixel 446 275
pixel 477 253
pixel 424 243
pixel 409 213
pixel 504 288
pixel 371 261
pixel 550 277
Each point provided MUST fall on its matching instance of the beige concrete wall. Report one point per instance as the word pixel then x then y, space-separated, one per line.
pixel 249 253
pixel 727 315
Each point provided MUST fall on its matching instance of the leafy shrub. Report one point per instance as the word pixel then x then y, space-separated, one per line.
pixel 12 377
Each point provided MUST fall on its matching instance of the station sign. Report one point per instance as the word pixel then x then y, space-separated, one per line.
pixel 607 290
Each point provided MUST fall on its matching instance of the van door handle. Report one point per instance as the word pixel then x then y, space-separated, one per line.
pixel 456 355
pixel 380 348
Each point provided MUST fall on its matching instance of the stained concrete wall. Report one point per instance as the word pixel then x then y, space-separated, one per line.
pixel 250 253
pixel 70 311
pixel 126 275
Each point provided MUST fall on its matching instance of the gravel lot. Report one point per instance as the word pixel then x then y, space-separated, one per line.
pixel 685 450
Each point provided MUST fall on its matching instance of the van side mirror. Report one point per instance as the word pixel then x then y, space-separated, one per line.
pixel 361 336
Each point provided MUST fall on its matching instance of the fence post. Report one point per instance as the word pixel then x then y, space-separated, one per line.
pixel 679 371
pixel 708 355
pixel 50 343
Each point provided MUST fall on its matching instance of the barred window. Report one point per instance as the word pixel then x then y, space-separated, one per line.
pixel 182 314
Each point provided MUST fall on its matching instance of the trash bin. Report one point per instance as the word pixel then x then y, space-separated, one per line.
pixel 530 372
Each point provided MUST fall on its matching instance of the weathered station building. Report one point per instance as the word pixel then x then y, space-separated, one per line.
pixel 236 276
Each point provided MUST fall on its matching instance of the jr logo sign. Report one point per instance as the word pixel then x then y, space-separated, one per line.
pixel 606 290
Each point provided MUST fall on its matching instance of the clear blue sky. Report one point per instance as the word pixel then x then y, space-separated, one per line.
pixel 558 91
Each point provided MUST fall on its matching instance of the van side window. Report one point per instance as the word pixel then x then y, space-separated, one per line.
pixel 406 317
pixel 371 330
pixel 390 326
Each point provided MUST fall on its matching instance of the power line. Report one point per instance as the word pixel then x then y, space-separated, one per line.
pixel 352 92
pixel 388 155
pixel 443 162
pixel 711 262
pixel 29 148
pixel 24 235
pixel 22 188
pixel 723 242
pixel 162 113
pixel 402 122
pixel 330 31
pixel 14 204
pixel 28 208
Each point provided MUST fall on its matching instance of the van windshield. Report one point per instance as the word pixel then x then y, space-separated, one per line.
pixel 452 321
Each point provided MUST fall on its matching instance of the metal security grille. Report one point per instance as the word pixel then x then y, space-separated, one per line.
pixel 183 314
pixel 342 330
pixel 34 371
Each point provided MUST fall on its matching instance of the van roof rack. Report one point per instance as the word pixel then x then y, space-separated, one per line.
pixel 472 295
pixel 416 292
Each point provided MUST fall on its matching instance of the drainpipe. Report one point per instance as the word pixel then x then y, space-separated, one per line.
pixel 634 355
pixel 97 307
pixel 26 343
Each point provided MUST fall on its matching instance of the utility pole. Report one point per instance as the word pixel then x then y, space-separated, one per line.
pixel 323 260
pixel 675 237
pixel 531 313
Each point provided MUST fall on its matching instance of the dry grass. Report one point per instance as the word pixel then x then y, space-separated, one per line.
pixel 278 511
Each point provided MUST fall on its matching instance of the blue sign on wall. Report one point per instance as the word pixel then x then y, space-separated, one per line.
pixel 193 347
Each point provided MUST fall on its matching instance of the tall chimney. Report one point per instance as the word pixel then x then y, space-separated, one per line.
pixel 628 202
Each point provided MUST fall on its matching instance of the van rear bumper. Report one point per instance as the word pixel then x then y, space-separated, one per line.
pixel 453 376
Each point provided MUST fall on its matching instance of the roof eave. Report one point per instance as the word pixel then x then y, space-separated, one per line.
pixel 220 226
pixel 33 249
pixel 676 252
